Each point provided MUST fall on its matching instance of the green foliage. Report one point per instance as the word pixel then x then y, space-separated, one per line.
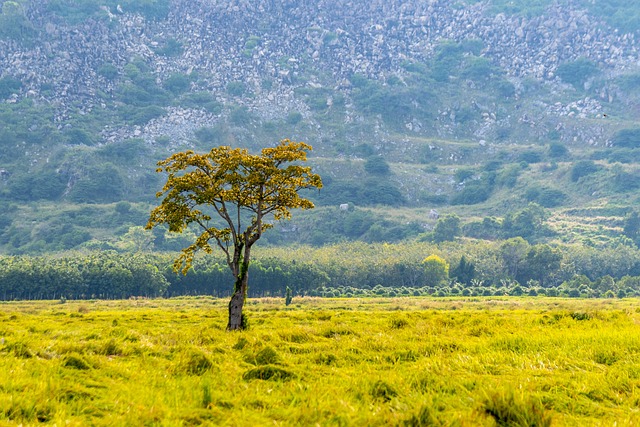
pixel 631 227
pixel 240 116
pixel 583 168
pixel 377 165
pixel 627 138
pixel 293 118
pixel 76 136
pixel 447 228
pixel 530 156
pixel 620 14
pixel 474 192
pixel 108 71
pixel 203 100
pixel 9 86
pixel 236 88
pixel 288 296
pixel 527 223
pixel 436 270
pixel 577 72
pixel 545 197
pixel 14 23
pixel 464 272
pixel 379 192
pixel 44 184
pixel 140 115
pixel 171 48
pixel 103 185
pixel 557 150
pixel 177 83
pixel 395 105
pixel 98 275
pixel 541 264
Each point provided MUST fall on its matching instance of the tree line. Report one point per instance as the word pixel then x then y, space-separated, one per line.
pixel 508 267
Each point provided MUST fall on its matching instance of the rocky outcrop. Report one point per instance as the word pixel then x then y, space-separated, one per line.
pixel 271 45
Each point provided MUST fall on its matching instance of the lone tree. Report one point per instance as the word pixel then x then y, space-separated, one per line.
pixel 232 197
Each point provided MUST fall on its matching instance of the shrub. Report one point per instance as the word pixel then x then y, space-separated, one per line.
pixel 377 165
pixel 628 138
pixel 235 88
pixel 583 168
pixel 577 73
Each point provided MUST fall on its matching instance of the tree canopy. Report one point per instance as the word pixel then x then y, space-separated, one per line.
pixel 232 197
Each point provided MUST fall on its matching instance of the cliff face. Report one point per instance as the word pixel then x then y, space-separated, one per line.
pixel 276 48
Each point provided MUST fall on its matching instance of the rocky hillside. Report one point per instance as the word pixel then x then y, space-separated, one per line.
pixel 94 91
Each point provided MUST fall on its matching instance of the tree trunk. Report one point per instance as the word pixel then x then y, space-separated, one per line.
pixel 237 300
pixel 235 311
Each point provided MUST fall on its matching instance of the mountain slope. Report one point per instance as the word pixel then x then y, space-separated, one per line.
pixel 478 107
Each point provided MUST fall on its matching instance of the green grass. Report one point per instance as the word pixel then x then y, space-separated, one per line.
pixel 404 362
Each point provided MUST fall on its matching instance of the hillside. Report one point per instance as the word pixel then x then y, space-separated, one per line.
pixel 475 108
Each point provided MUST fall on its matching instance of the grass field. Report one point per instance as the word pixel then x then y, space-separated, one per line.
pixel 404 362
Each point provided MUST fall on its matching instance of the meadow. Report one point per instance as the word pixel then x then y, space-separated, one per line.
pixel 365 362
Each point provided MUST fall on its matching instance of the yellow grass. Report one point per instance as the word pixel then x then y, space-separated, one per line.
pixel 405 362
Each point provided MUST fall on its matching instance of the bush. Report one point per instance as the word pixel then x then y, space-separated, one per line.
pixel 177 83
pixel 577 73
pixel 447 228
pixel 377 165
pixel 583 168
pixel 108 71
pixel 628 138
pixel 9 86
pixel 235 88
pixel 171 47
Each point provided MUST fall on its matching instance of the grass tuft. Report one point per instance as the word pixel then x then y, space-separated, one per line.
pixel 399 323
pixel 268 356
pixel 75 362
pixel 19 350
pixel 510 411
pixel 194 362
pixel 268 372
pixel 110 348
pixel 580 315
pixel 383 391
pixel 240 344
pixel 424 418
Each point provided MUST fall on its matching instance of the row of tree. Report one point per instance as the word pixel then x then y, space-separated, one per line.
pixel 509 267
